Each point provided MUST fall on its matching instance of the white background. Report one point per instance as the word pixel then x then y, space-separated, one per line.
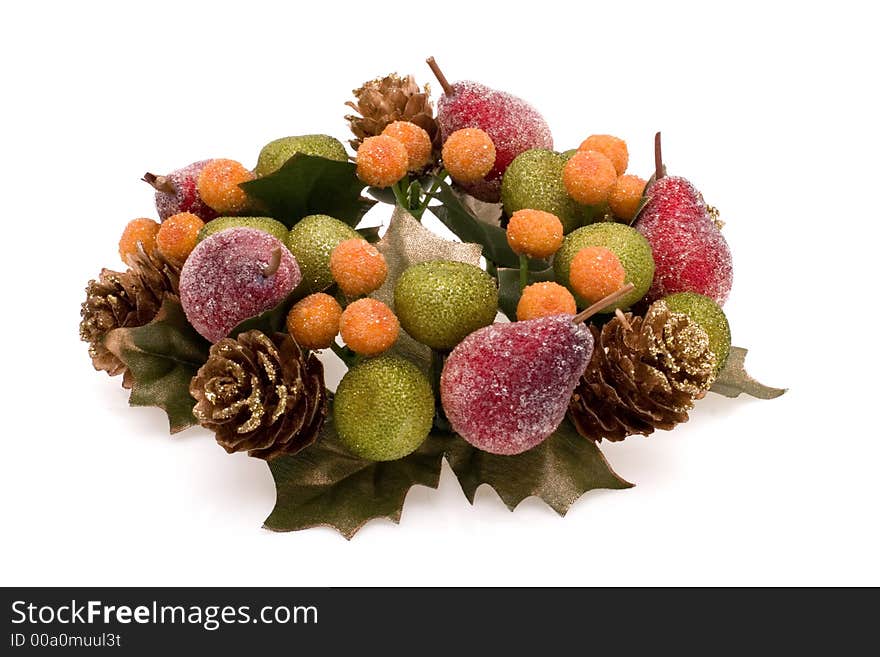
pixel 769 108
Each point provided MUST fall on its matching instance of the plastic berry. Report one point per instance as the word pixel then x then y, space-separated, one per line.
pixel 588 177
pixel 314 321
pixel 416 141
pixel 534 233
pixel 545 300
pixel 218 186
pixel 176 192
pixel 611 147
pixel 381 161
pixel 468 155
pixel 596 272
pixel 357 267
pixel 368 327
pixel 625 197
pixel 178 236
pixel 138 230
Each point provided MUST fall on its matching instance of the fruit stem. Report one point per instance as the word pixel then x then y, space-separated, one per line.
pixel 523 271
pixel 159 183
pixel 584 315
pixel 274 263
pixel 447 88
pixel 658 158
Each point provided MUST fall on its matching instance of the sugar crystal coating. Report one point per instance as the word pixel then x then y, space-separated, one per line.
pixel 314 321
pixel 357 267
pixel 588 177
pixel 274 154
pixel 268 225
pixel 506 387
pixel 140 230
pixel 468 155
pixel 544 300
pixel 534 233
pixel 218 185
pixel 186 197
pixel 415 139
pixel 222 282
pixel 368 327
pixel 690 253
pixel 614 148
pixel 625 197
pixel 312 241
pixel 382 161
pixel 595 273
pixel 178 235
pixel 513 125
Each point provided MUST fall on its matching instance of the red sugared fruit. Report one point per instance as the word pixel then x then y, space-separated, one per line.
pixel 218 186
pixel 176 192
pixel 468 155
pixel 416 141
pixel 595 273
pixel 534 233
pixel 588 177
pixel 178 236
pixel 314 321
pixel 545 300
pixel 381 161
pixel 138 230
pixel 613 148
pixel 369 327
pixel 357 267
pixel 507 386
pixel 234 275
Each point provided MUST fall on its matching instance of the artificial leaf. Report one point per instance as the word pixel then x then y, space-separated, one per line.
pixel 457 218
pixel 508 288
pixel 324 485
pixel 734 380
pixel 270 321
pixel 162 356
pixel 370 233
pixel 407 243
pixel 307 185
pixel 559 470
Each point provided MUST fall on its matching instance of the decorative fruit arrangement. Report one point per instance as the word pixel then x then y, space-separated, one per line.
pixel 581 303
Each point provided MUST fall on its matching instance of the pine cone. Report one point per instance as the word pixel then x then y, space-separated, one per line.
pixel 124 300
pixel 642 377
pixel 385 100
pixel 261 395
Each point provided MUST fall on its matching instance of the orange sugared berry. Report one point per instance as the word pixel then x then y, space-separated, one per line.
pixel 626 194
pixel 369 327
pixel 613 148
pixel 218 186
pixel 178 236
pixel 138 230
pixel 468 155
pixel 534 233
pixel 381 161
pixel 314 321
pixel 588 177
pixel 416 141
pixel 595 273
pixel 357 267
pixel 545 300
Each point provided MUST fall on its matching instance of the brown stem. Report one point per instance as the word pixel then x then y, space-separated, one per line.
pixel 159 183
pixel 601 304
pixel 658 158
pixel 274 263
pixel 447 88
pixel 622 319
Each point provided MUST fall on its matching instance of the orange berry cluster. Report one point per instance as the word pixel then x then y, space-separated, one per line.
pixel 386 158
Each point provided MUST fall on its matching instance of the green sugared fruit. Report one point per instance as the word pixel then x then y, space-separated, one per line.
pixel 709 316
pixel 277 152
pixel 533 181
pixel 626 243
pixel 440 302
pixel 266 224
pixel 312 240
pixel 383 408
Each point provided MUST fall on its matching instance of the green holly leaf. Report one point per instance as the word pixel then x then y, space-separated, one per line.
pixel 307 185
pixel 370 233
pixel 508 288
pixel 324 485
pixel 734 380
pixel 468 228
pixel 559 470
pixel 163 356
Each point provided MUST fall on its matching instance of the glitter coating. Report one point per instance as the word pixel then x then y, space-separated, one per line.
pixel 274 154
pixel 222 282
pixel 588 177
pixel 625 197
pixel 381 161
pixel 178 236
pixel 690 253
pixel 468 155
pixel 383 408
pixel 416 141
pixel 218 186
pixel 709 316
pixel 626 243
pixel 614 148
pixel 545 300
pixel 186 197
pixel 311 241
pixel 513 125
pixel 439 302
pixel 595 273
pixel 266 224
pixel 368 327
pixel 507 386
pixel 535 233
pixel 314 321
pixel 534 182
pixel 138 230
pixel 357 267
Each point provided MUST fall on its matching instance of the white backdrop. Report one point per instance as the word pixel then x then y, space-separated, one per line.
pixel 770 110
